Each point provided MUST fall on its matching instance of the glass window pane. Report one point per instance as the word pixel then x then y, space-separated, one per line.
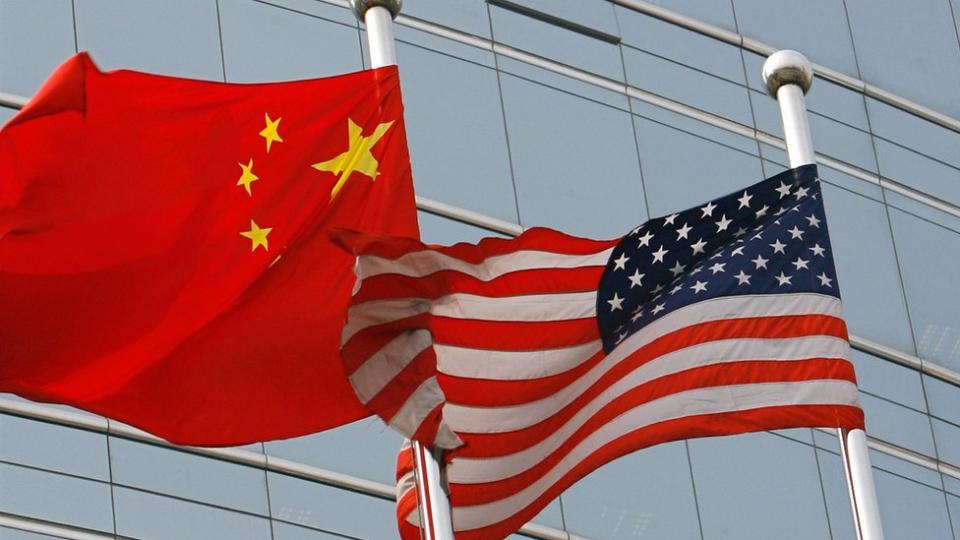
pixel 923 66
pixel 864 255
pixel 566 175
pixel 646 494
pixel 888 380
pixel 266 43
pixel 835 492
pixel 54 497
pixel 787 24
pixel 943 398
pixel 674 181
pixel 693 126
pixel 286 531
pixel 455 129
pixel 918 171
pixel 595 14
pixel 550 41
pixel 35 37
pixel 928 260
pixel 948 441
pixel 680 45
pixel 331 509
pixel 16 534
pixel 440 230
pixel 341 14
pixel 897 424
pixel 909 509
pixel 717 13
pixel 153 517
pixel 467 15
pixel 39 444
pixel 172 37
pixel 914 132
pixel 758 486
pixel 562 83
pixel 172 472
pixel 680 83
pixel 373 450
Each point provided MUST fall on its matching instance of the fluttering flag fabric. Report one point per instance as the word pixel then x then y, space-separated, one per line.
pixel 538 359
pixel 164 249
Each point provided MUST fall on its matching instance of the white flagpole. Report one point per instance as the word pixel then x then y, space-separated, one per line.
pixel 788 75
pixel 435 520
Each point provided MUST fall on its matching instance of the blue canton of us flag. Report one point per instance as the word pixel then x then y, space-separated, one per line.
pixel 770 238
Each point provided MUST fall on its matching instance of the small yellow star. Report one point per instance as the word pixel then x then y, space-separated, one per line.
pixel 257 236
pixel 247 177
pixel 270 132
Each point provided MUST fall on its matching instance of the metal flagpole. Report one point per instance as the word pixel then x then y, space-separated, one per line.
pixel 788 75
pixel 435 521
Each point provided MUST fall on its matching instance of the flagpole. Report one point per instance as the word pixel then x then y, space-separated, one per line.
pixel 788 75
pixel 434 505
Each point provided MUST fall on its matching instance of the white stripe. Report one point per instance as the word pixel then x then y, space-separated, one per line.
pixel 521 308
pixel 379 370
pixel 512 365
pixel 415 410
pixel 694 402
pixel 466 419
pixel 423 263
pixel 466 362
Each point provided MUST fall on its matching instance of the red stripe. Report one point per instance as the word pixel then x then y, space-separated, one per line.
pixel 536 281
pixel 512 335
pixel 682 428
pixel 743 372
pixel 535 239
pixel 370 340
pixel 494 393
pixel 392 397
pixel 404 462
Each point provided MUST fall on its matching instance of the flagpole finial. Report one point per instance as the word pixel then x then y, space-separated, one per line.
pixel 360 7
pixel 787 67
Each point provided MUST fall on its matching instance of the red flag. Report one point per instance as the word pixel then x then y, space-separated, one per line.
pixel 164 256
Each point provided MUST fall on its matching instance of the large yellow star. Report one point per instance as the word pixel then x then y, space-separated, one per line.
pixel 357 158
pixel 257 236
pixel 270 132
pixel 247 177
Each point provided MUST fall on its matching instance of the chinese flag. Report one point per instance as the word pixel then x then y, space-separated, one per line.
pixel 164 257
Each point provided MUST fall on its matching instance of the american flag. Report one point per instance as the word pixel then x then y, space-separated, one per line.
pixel 538 359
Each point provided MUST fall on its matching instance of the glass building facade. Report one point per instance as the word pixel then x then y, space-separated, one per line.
pixel 589 116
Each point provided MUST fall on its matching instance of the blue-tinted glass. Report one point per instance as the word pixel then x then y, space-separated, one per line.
pixel 831 138
pixel 914 132
pixel 551 515
pixel 948 441
pixel 928 259
pixel 547 40
pixel 646 494
pixel 567 176
pixel 835 492
pixel 6 114
pixel 864 255
pixel 153 517
pixel 54 497
pixel 595 14
pixel 15 534
pixel 35 37
pixel 897 424
pixel 918 171
pixel 680 45
pixel 39 444
pixel 909 509
pixel 440 230
pixel 943 399
pixel 681 170
pixel 172 37
pixel 266 43
pixel 441 44
pixel 818 28
pixel 455 129
pixel 757 486
pixel 467 15
pixel 909 48
pixel 614 98
pixel 904 468
pixel 286 531
pixel 341 14
pixel 373 450
pixel 689 86
pixel 716 12
pixel 888 380
pixel 694 126
pixel 331 509
pixel 189 476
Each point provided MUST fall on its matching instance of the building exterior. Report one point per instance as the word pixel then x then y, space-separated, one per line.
pixel 589 116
